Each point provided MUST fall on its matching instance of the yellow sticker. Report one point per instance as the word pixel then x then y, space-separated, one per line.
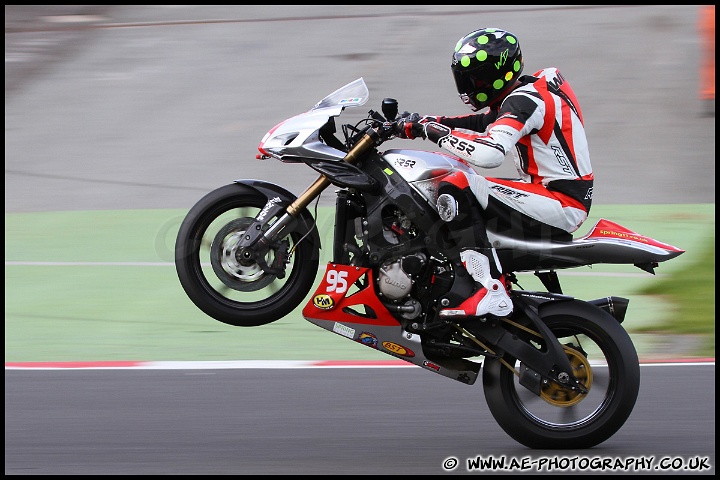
pixel 323 301
pixel 398 349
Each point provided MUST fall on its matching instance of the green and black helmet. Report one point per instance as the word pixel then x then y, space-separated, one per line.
pixel 485 65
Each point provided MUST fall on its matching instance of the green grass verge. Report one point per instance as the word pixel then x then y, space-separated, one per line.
pixel 691 294
pixel 101 285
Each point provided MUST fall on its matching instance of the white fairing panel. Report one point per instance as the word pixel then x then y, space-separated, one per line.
pixel 424 170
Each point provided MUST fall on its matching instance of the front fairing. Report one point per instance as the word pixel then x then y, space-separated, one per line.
pixel 299 137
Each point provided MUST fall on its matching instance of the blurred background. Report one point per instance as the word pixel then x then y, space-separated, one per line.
pixel 117 107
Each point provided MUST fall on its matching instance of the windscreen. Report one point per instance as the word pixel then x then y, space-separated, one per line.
pixel 351 95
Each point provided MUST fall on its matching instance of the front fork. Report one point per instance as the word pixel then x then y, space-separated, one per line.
pixel 259 238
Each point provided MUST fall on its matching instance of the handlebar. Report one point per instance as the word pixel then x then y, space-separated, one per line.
pixel 379 126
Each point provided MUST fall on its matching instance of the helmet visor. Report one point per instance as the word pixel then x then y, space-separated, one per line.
pixel 464 83
pixel 468 84
pixel 469 87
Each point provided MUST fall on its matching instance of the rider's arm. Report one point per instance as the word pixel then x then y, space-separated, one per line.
pixel 517 117
pixel 477 122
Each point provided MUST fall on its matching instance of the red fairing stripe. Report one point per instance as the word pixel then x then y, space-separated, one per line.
pixel 260 145
pixel 268 135
pixel 459 179
pixel 607 229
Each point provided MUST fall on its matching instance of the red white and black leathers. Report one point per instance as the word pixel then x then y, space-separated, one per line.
pixel 540 125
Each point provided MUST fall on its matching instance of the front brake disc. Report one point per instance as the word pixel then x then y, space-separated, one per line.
pixel 236 274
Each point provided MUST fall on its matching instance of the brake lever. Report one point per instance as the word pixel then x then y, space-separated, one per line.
pixel 377 116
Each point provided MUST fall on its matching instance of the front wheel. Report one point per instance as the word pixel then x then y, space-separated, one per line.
pixel 602 357
pixel 219 282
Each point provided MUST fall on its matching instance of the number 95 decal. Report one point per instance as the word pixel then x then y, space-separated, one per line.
pixel 337 281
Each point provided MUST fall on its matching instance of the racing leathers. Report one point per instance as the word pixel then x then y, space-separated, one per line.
pixel 540 125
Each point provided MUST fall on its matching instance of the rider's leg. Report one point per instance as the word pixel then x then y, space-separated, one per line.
pixel 458 206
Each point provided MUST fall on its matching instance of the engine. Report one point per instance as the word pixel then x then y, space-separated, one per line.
pixel 395 282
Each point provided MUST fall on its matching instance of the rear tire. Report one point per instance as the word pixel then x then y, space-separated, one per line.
pixel 561 418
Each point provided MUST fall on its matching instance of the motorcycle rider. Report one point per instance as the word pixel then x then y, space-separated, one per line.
pixel 535 119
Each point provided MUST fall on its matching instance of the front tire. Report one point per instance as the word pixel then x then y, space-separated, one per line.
pixel 602 356
pixel 227 290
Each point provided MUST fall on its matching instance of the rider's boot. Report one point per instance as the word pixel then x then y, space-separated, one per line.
pixel 490 296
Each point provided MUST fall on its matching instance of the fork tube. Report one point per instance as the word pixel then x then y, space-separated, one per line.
pixel 322 182
pixel 308 195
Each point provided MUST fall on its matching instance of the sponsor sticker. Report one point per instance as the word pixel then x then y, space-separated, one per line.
pixel 431 366
pixel 343 330
pixel 323 301
pixel 351 101
pixel 398 349
pixel 368 339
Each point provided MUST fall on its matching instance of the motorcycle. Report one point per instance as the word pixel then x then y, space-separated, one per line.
pixel 558 373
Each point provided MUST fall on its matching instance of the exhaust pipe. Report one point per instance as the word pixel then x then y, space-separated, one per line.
pixel 615 306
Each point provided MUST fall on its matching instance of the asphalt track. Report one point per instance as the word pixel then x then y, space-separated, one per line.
pixel 119 118
pixel 321 421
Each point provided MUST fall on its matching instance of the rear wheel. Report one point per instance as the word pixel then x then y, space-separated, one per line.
pixel 603 359
pixel 217 279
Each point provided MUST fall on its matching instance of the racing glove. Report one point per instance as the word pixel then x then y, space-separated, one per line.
pixel 409 126
pixel 413 126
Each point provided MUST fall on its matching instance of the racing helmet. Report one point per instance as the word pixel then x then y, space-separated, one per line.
pixel 485 65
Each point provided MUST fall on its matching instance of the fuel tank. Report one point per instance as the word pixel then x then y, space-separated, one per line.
pixel 424 170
